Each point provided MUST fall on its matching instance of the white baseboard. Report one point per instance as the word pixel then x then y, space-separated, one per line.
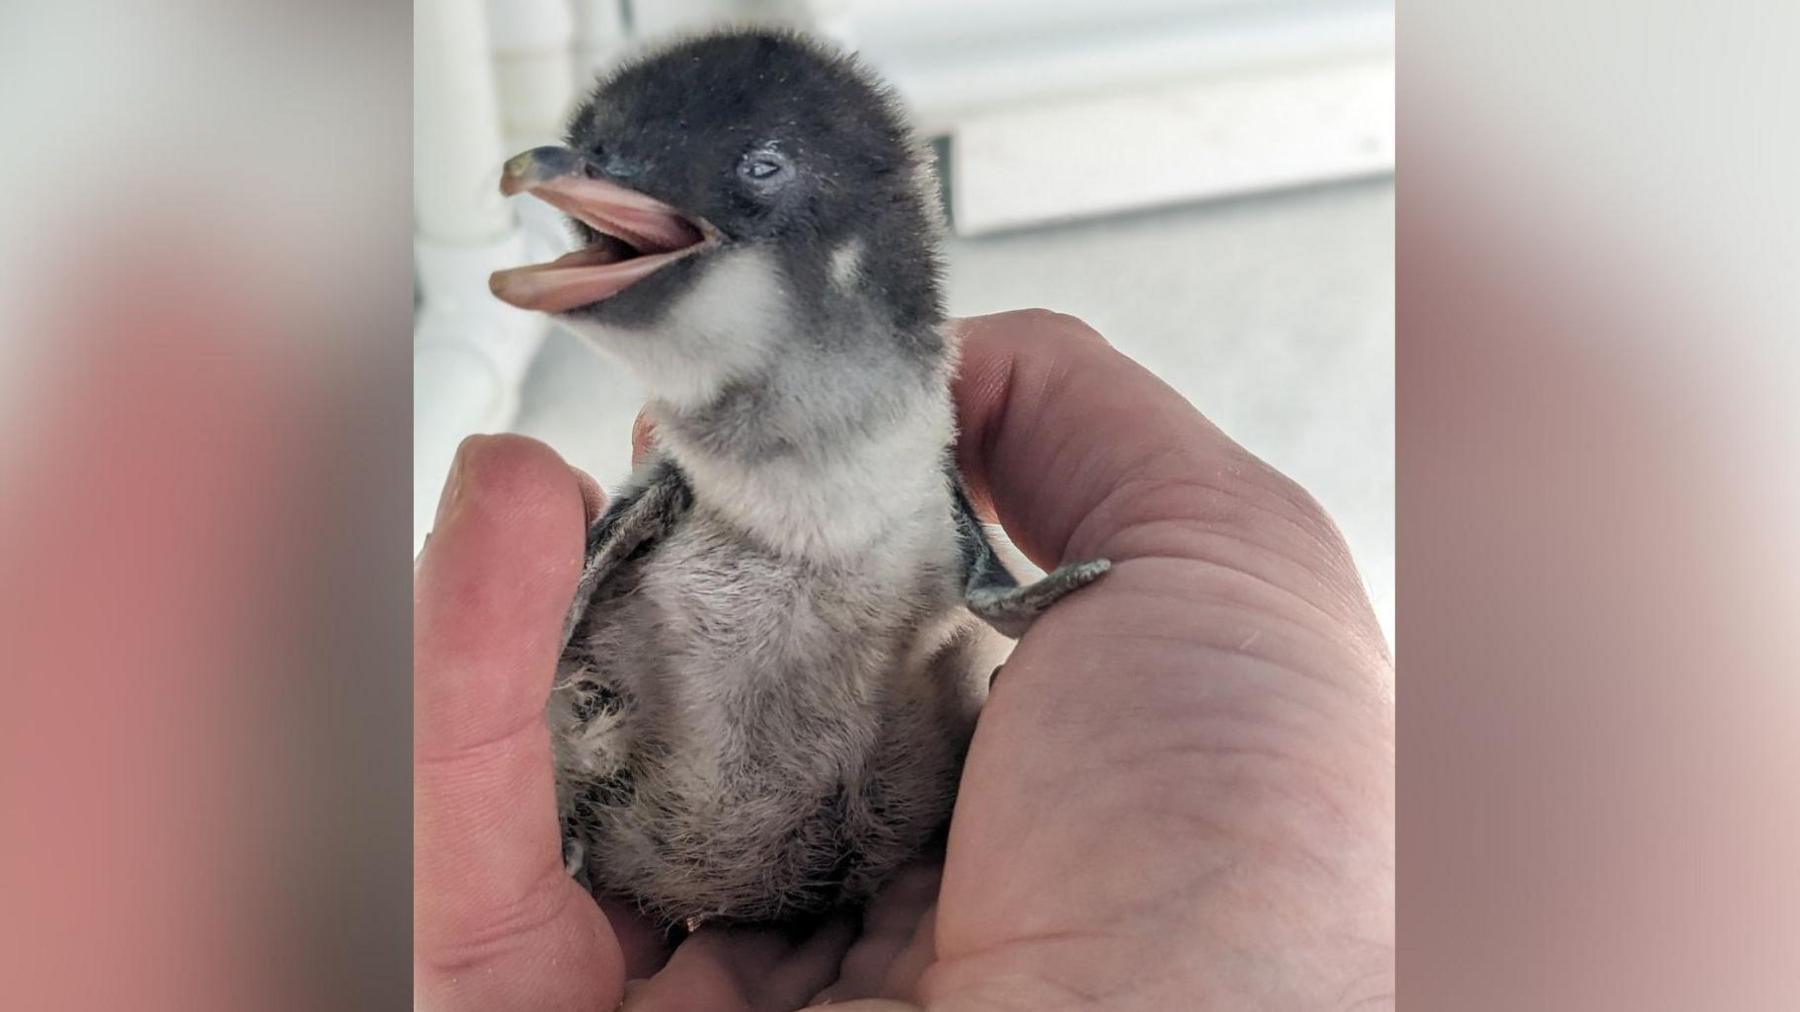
pixel 1059 109
pixel 1242 133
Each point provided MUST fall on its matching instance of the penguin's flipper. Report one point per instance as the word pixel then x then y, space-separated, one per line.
pixel 1012 611
pixel 634 521
pixel 994 594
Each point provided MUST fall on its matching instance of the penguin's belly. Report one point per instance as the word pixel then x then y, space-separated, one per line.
pixel 744 738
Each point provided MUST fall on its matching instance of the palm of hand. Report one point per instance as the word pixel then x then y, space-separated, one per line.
pixel 1179 794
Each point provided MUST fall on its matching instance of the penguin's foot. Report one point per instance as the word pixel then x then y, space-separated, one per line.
pixel 1011 610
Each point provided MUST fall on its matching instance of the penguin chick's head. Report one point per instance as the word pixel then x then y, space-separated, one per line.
pixel 744 145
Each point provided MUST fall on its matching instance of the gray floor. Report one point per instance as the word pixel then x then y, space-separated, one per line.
pixel 1274 315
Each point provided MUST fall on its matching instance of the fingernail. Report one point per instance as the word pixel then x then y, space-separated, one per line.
pixel 453 482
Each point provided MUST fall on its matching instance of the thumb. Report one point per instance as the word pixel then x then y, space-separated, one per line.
pixel 497 924
pixel 1085 454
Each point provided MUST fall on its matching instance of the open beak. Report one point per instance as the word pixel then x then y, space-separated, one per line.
pixel 648 234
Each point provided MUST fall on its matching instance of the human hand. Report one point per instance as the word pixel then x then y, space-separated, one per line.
pixel 1179 795
pixel 1180 791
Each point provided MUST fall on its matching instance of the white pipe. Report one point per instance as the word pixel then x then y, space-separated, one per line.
pixel 600 37
pixel 456 129
pixel 534 72
pixel 534 75
pixel 470 355
pixel 470 351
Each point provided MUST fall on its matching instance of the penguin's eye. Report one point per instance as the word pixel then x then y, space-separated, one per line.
pixel 765 167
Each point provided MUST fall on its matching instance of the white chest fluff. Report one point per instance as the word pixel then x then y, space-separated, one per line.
pixel 792 679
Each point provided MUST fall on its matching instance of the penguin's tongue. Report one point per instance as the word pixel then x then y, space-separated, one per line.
pixel 646 235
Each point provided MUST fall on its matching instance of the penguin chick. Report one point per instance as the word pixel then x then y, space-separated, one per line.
pixel 777 649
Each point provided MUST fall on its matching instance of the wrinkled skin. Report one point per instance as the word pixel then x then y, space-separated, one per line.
pixel 1179 796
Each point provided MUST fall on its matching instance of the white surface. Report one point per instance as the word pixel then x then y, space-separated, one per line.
pixel 1226 136
pixel 599 38
pixel 456 126
pixel 470 356
pixel 526 26
pixel 534 68
pixel 1274 315
pixel 469 351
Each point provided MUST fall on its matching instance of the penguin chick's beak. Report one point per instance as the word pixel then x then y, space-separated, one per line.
pixel 644 234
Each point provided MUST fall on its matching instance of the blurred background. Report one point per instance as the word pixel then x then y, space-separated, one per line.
pixel 208 349
pixel 1207 183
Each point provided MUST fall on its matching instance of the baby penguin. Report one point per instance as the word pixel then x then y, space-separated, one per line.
pixel 787 619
